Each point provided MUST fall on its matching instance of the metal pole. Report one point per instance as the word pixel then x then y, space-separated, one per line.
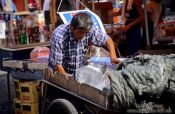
pixel 93 5
pixel 146 24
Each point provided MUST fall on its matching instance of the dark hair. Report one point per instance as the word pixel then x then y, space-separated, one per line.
pixel 82 20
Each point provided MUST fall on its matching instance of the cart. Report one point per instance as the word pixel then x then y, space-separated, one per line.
pixel 67 96
pixel 59 95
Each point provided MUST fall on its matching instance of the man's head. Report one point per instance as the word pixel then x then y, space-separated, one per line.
pixel 81 23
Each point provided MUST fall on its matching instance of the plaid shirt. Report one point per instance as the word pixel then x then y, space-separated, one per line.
pixel 70 53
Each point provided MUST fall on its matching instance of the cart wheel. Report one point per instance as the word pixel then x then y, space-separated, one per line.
pixel 61 106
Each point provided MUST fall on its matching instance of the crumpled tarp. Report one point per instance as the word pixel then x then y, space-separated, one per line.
pixel 145 74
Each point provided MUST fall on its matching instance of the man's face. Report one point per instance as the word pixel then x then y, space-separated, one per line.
pixel 79 33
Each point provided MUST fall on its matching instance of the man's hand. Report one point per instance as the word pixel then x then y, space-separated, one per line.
pixel 115 60
pixel 60 70
pixel 66 77
pixel 124 29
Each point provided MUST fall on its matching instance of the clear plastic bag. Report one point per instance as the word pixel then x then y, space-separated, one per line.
pixel 40 54
pixel 93 75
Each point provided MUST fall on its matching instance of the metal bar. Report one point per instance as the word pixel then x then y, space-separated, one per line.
pixel 93 5
pixel 146 24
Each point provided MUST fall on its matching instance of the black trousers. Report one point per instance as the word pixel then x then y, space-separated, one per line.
pixel 143 43
pixel 47 18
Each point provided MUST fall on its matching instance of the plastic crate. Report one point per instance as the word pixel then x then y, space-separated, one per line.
pixel 17 92
pixel 16 82
pixel 29 108
pixel 18 96
pixel 17 106
pixel 28 91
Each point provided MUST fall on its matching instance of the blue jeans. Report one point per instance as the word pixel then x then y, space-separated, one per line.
pixel 133 37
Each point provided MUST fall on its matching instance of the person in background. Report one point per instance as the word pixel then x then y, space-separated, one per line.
pixel 34 5
pixel 8 5
pixel 154 10
pixel 46 9
pixel 132 14
pixel 69 43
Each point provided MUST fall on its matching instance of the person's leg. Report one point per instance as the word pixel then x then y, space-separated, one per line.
pixel 143 43
pixel 151 30
pixel 143 40
pixel 133 40
pixel 47 18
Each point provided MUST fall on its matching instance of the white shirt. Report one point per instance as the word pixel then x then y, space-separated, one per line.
pixel 46 5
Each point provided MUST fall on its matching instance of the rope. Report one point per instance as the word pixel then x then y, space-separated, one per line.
pixel 59 5
pixel 82 4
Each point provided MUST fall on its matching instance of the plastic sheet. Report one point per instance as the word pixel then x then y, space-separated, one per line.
pixel 40 54
pixel 93 75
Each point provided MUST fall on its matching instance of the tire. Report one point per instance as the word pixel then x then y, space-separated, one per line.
pixel 61 106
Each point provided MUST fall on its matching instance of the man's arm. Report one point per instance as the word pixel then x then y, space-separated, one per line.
pixel 111 48
pixel 138 5
pixel 61 70
pixel 101 39
pixel 56 55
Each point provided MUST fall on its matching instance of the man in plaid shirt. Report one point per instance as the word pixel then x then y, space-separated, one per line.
pixel 69 43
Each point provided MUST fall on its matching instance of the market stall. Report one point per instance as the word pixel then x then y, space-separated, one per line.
pixel 99 87
pixel 19 52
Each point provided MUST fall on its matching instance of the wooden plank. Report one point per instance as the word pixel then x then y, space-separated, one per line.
pixel 52 11
pixel 25 46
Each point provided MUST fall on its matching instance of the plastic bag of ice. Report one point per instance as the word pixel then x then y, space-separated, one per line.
pixel 93 75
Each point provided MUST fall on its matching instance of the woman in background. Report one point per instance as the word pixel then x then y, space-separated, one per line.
pixel 8 5
pixel 154 11
pixel 46 9
pixel 133 15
